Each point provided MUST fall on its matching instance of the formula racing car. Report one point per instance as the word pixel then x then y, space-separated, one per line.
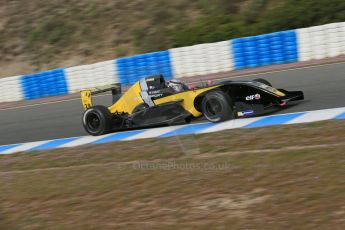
pixel 152 101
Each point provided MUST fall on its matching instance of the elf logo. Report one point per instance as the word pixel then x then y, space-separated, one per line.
pixel 252 97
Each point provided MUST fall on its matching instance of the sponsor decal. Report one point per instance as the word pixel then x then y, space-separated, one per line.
pixel 154 92
pixel 150 79
pixel 245 113
pixel 252 97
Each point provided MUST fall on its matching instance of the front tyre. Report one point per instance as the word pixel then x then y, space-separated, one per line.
pixel 97 120
pixel 217 106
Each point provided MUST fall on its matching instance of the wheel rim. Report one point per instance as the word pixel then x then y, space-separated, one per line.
pixel 93 121
pixel 213 108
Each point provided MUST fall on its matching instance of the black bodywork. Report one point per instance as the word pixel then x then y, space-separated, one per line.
pixel 242 94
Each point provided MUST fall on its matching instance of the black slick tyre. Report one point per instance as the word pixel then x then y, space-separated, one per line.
pixel 97 120
pixel 217 106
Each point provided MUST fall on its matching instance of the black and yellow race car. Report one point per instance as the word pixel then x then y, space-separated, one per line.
pixel 150 102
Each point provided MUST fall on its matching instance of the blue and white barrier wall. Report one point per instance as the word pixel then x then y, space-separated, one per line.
pixel 304 44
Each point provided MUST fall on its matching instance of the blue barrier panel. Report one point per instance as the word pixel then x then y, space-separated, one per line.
pixel 44 84
pixel 266 49
pixel 131 69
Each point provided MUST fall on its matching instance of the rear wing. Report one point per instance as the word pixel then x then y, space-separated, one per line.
pixel 86 94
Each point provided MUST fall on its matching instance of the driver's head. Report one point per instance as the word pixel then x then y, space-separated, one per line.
pixel 176 85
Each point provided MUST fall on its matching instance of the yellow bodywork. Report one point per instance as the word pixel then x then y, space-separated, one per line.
pixel 128 101
pixel 132 98
pixel 186 98
pixel 86 99
pixel 277 92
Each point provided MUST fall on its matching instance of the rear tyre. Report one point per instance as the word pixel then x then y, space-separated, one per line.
pixel 263 81
pixel 97 120
pixel 217 106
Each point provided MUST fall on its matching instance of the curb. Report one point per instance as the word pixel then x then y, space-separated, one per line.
pixel 207 127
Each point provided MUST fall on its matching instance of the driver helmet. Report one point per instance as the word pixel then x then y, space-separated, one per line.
pixel 176 85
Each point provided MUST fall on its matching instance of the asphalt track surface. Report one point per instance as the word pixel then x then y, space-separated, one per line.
pixel 323 86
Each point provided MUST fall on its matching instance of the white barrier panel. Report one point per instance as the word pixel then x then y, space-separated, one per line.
pixel 10 89
pixel 342 29
pixel 201 59
pixel 89 76
pixel 320 42
pixel 334 37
